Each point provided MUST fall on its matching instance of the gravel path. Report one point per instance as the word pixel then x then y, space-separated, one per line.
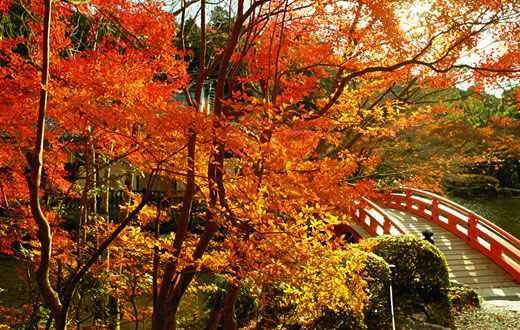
pixel 490 316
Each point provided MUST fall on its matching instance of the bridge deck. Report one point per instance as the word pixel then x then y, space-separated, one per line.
pixel 466 265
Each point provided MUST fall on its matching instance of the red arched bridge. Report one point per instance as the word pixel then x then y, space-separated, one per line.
pixel 479 253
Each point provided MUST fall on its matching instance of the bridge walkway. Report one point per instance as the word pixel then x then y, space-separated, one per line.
pixel 466 264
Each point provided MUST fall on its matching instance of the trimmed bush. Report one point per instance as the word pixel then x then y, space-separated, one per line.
pixel 377 312
pixel 420 285
pixel 420 268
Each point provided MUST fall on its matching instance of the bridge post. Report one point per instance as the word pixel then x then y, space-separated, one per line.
pixel 387 225
pixel 408 200
pixel 387 200
pixel 435 210
pixel 472 230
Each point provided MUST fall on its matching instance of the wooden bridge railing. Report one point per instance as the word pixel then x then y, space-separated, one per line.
pixel 500 246
pixel 375 220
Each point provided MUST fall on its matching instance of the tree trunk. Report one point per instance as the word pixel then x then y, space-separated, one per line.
pixel 105 196
pixel 230 321
pixel 35 160
pixel 93 175
pixel 216 311
pixel 164 312
pixel 129 182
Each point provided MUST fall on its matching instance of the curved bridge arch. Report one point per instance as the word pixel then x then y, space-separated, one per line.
pixel 494 242
pixel 375 220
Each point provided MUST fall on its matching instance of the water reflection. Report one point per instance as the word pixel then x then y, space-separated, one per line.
pixel 504 212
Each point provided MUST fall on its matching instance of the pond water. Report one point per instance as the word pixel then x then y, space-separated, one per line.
pixel 504 212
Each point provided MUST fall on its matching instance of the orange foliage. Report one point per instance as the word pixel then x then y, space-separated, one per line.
pixel 309 96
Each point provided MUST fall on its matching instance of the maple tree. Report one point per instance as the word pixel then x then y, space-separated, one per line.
pixel 466 131
pixel 302 91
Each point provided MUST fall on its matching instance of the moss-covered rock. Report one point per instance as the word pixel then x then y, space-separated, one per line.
pixel 462 295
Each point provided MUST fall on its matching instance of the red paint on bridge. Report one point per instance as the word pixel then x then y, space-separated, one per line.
pixel 484 236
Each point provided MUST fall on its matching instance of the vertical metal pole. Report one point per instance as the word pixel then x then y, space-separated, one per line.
pixel 392 297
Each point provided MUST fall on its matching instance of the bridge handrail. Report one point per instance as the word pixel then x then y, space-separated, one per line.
pixel 467 212
pixel 503 248
pixel 373 225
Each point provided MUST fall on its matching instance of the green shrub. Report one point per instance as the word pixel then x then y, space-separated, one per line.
pixel 420 284
pixel 420 281
pixel 420 268
pixel 377 312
